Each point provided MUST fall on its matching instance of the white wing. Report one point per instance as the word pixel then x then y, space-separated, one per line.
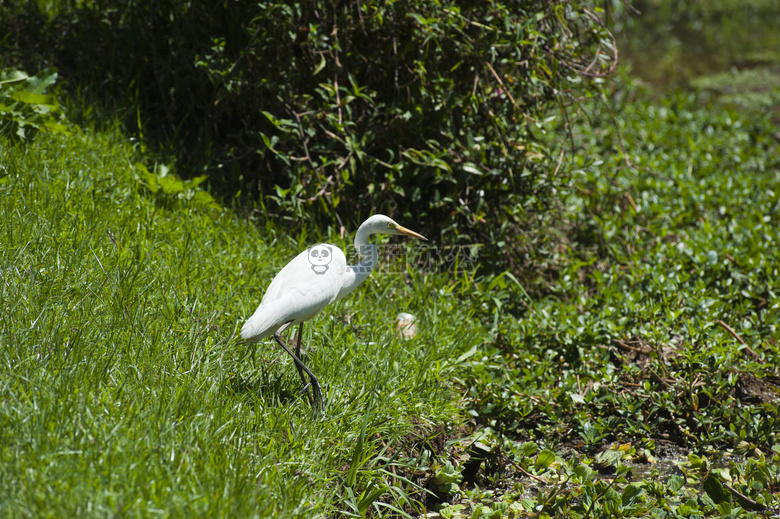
pixel 298 292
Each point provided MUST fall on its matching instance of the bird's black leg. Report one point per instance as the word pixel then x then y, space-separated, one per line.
pixel 300 371
pixel 316 401
pixel 306 383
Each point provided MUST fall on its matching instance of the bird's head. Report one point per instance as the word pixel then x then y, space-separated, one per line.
pixel 381 224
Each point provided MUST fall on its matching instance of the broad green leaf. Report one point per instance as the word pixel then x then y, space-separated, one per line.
pixel 715 489
pixel 34 99
pixel 545 458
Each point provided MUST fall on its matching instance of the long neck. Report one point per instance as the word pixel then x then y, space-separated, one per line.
pixel 358 273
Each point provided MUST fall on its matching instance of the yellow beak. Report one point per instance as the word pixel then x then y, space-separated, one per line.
pixel 404 230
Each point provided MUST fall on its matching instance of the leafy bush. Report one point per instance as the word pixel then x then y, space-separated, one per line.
pixel 24 105
pixel 432 111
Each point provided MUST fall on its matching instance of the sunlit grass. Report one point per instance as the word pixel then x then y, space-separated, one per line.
pixel 125 388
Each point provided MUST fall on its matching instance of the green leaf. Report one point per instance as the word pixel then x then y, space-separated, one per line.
pixel 14 76
pixel 319 67
pixel 171 185
pixel 34 99
pixel 196 181
pixel 715 489
pixel 467 355
pixel 675 482
pixel 40 82
pixel 372 496
pixel 631 493
pixel 469 167
pixel 697 462
pixel 584 472
pixel 529 448
pixel 147 178
pixel 545 458
pixel 204 198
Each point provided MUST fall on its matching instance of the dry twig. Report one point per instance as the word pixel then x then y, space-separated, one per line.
pixel 734 334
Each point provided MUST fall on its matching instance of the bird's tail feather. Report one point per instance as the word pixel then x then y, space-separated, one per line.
pixel 259 326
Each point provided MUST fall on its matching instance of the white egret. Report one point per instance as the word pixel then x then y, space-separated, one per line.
pixel 315 278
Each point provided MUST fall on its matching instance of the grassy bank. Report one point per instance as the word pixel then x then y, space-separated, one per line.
pixel 124 387
pixel 644 384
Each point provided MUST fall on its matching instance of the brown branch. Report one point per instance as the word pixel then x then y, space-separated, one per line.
pixel 328 182
pixel 498 78
pixel 560 161
pixel 526 473
pixel 734 334
pixel 625 346
pixel 744 500
pixel 630 200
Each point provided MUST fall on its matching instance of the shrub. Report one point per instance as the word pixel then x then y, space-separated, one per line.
pixel 435 112
pixel 25 108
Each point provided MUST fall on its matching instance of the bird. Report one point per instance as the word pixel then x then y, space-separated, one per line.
pixel 315 278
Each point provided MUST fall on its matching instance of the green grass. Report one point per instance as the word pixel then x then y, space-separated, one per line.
pixel 124 387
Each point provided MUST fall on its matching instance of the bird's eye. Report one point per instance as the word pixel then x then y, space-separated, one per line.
pixel 389 226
